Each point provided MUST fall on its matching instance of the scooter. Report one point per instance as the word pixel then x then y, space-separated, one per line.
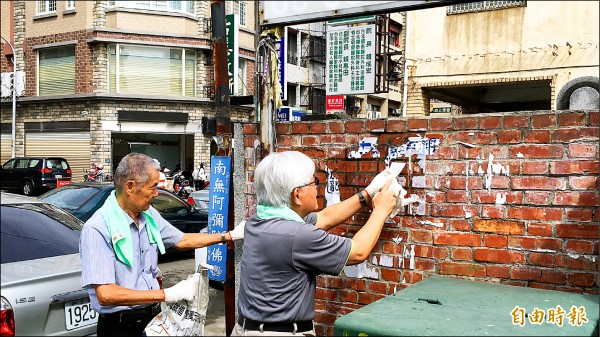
pixel 181 186
pixel 96 174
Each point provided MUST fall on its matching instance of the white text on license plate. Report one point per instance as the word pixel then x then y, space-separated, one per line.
pixel 79 313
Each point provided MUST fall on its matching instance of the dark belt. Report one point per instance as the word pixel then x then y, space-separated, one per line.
pixel 298 326
pixel 132 316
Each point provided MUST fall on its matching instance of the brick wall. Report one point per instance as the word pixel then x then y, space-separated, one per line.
pixel 543 235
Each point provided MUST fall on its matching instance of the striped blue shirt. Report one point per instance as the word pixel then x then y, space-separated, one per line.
pixel 99 264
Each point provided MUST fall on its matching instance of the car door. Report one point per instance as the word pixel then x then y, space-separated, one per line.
pixel 180 214
pixel 7 181
pixel 20 171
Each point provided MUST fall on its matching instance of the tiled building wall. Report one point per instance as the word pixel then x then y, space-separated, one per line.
pixel 535 225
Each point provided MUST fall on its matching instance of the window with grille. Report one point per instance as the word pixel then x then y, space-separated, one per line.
pixel 56 73
pixel 242 10
pixel 168 6
pixel 242 88
pixel 70 4
pixel 148 70
pixel 45 7
pixel 479 6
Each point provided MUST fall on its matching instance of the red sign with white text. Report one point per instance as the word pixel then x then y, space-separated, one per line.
pixel 334 103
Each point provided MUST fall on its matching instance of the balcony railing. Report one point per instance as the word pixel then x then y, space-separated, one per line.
pixel 167 6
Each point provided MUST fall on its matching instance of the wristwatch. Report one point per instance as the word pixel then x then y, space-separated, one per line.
pixel 361 198
pixel 223 238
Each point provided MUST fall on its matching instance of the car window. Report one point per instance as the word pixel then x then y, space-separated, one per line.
pixel 168 204
pixel 8 164
pixel 33 163
pixel 56 164
pixel 69 197
pixel 35 231
pixel 22 163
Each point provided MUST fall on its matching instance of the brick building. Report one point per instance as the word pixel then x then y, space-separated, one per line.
pixel 106 78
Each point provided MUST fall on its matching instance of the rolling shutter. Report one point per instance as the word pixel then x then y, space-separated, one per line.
pixel 73 146
pixel 5 147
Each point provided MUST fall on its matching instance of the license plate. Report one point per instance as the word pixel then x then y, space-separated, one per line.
pixel 58 176
pixel 61 182
pixel 79 313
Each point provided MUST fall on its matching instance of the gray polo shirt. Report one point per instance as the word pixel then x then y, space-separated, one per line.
pixel 99 264
pixel 280 263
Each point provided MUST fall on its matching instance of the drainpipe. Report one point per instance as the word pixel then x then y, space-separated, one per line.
pixel 14 98
pixel 405 86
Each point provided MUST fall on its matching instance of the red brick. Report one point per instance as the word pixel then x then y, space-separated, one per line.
pixel 424 264
pixel 577 198
pixel 459 225
pixel 377 287
pixel 583 150
pixel 376 124
pixel 434 196
pixel 318 127
pixel 499 256
pixel 594 118
pixel 310 140
pixel 587 231
pixel 287 140
pixel 346 295
pixel 539 229
pixel 533 213
pixel 499 226
pixel 441 123
pixel 580 246
pixel 583 183
pixel 452 210
pixel 574 167
pixel 484 138
pixel 464 254
pixel 537 285
pixel 553 276
pixel 516 121
pixel 498 212
pixel 489 197
pixel 498 271
pixel 465 123
pixel 367 166
pixel 299 127
pixel 464 269
pixel 578 214
pixel 526 273
pixel 336 127
pixel 456 196
pixel 579 262
pixel 418 124
pixel 582 279
pixel 444 152
pixel 535 167
pixel 355 126
pixel 339 153
pixel 574 134
pixel 509 136
pixel 498 182
pixel 541 259
pixel 457 239
pixel 495 241
pixel 572 119
pixel 252 128
pixel 543 121
pixel 392 275
pixel 354 284
pixel 537 136
pixel 529 243
pixel 537 151
pixel 538 198
pixel 491 122
pixel 326 294
pixel 422 236
pixel 538 183
pixel 396 125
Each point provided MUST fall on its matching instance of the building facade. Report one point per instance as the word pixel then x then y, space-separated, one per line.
pixel 497 56
pixel 107 78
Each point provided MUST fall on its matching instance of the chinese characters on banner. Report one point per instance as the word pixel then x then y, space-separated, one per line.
pixel 218 211
pixel 334 103
pixel 350 60
pixel 232 31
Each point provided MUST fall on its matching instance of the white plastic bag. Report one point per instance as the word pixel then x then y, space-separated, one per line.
pixel 183 318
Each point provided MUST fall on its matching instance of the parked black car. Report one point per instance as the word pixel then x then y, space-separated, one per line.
pixel 83 199
pixel 32 175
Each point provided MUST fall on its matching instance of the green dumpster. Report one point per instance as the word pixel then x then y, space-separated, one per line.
pixel 444 306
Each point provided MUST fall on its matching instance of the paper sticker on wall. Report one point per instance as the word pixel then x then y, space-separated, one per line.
pixel 332 188
pixel 366 145
pixel 360 271
pixel 415 145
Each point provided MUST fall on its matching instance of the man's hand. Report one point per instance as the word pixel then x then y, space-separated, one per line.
pixel 184 290
pixel 379 181
pixel 238 232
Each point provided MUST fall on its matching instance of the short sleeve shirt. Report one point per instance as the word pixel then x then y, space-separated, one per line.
pixel 99 264
pixel 280 263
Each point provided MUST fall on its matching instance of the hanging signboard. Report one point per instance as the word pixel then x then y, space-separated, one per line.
pixel 232 32
pixel 218 213
pixel 281 48
pixel 334 103
pixel 350 60
pixel 294 12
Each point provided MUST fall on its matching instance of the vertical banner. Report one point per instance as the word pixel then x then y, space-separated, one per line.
pixel 281 48
pixel 218 212
pixel 232 31
pixel 350 60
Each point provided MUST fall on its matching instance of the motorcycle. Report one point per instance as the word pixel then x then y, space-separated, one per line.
pixel 181 186
pixel 95 173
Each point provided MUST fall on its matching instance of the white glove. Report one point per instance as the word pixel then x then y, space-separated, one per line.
pixel 379 181
pixel 401 201
pixel 184 290
pixel 238 232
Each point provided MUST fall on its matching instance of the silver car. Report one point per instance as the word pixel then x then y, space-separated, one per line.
pixel 41 292
pixel 200 199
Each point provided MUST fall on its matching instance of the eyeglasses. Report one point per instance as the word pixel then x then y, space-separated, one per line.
pixel 315 181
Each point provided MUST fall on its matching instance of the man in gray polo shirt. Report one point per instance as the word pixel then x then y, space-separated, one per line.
pixel 286 244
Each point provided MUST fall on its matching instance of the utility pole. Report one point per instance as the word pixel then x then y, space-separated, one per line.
pixel 14 98
pixel 222 111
